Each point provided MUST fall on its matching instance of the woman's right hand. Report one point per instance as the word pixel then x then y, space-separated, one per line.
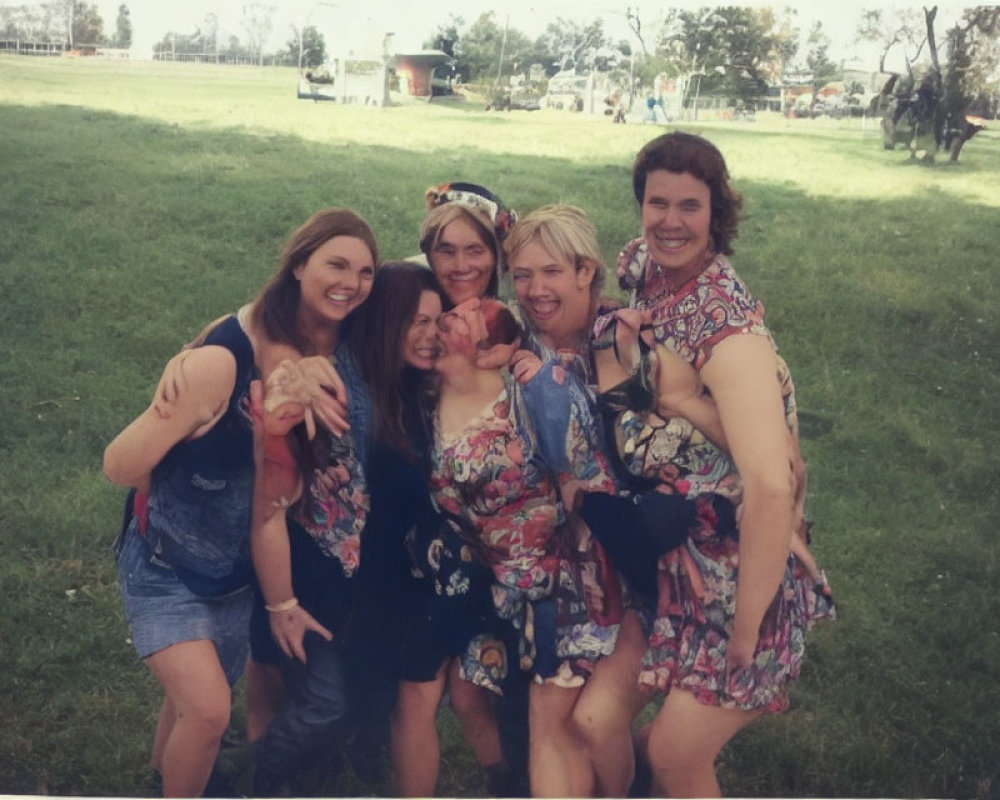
pixel 289 629
pixel 314 384
pixel 677 383
pixel 524 365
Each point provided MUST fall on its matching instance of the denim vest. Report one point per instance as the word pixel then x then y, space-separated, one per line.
pixel 358 402
pixel 201 492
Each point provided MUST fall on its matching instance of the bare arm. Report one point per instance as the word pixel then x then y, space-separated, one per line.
pixel 679 394
pixel 741 377
pixel 211 378
pixel 276 486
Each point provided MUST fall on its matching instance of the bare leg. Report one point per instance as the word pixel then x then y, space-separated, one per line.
pixel 165 724
pixel 473 706
pixel 607 707
pixel 558 764
pixel 265 693
pixel 199 694
pixel 684 740
pixel 414 742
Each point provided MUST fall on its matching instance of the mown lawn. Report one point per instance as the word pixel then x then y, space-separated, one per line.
pixel 138 201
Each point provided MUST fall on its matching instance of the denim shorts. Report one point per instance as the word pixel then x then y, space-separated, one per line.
pixel 162 611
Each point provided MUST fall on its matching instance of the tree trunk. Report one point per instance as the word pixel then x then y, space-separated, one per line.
pixel 931 41
pixel 968 131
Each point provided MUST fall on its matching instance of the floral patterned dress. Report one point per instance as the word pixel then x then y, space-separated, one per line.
pixel 696 607
pixel 551 583
pixel 336 502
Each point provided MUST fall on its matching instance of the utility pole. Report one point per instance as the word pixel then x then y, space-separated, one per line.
pixel 503 46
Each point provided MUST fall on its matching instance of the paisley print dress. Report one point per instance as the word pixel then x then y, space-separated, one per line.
pixel 697 597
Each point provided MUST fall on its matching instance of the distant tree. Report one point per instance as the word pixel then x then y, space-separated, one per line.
pixel 87 26
pixel 970 83
pixel 478 49
pixel 210 34
pixel 945 109
pixel 635 25
pixel 822 68
pixel 447 36
pixel 576 44
pixel 123 28
pixel 307 46
pixel 257 23
pixel 903 27
pixel 27 22
pixel 733 50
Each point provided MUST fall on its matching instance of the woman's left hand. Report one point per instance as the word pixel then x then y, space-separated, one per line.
pixel 290 627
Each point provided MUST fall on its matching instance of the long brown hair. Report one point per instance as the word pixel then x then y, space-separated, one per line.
pixel 376 335
pixel 276 307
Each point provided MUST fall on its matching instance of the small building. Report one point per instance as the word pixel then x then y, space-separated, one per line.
pixel 425 73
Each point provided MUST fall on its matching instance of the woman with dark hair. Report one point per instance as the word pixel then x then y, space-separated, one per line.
pixel 394 342
pixel 372 493
pixel 183 558
pixel 736 598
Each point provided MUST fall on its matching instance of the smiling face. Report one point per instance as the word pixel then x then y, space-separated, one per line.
pixel 336 279
pixel 676 216
pixel 420 342
pixel 554 293
pixel 462 261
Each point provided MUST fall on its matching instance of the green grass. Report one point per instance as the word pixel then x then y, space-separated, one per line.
pixel 137 201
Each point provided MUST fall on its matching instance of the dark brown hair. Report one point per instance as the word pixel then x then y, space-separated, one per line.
pixel 376 335
pixel 276 306
pixel 680 152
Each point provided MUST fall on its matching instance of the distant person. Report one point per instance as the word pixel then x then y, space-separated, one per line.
pixel 184 554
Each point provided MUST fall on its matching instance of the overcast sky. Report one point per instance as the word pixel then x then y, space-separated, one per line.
pixel 359 25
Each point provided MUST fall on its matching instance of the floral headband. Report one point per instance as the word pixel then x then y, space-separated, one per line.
pixel 476 197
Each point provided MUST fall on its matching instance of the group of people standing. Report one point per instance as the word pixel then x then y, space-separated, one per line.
pixel 388 486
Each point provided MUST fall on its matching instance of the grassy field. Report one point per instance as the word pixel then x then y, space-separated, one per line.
pixel 138 201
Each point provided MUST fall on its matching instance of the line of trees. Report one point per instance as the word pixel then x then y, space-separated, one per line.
pixel 486 51
pixel 72 22
pixel 734 51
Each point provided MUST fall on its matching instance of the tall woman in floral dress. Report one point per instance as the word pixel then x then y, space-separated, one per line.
pixel 734 601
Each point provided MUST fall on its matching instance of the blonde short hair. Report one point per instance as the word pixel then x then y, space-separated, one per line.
pixel 566 233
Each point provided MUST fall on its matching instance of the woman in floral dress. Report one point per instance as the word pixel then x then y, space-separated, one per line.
pixel 491 464
pixel 736 599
